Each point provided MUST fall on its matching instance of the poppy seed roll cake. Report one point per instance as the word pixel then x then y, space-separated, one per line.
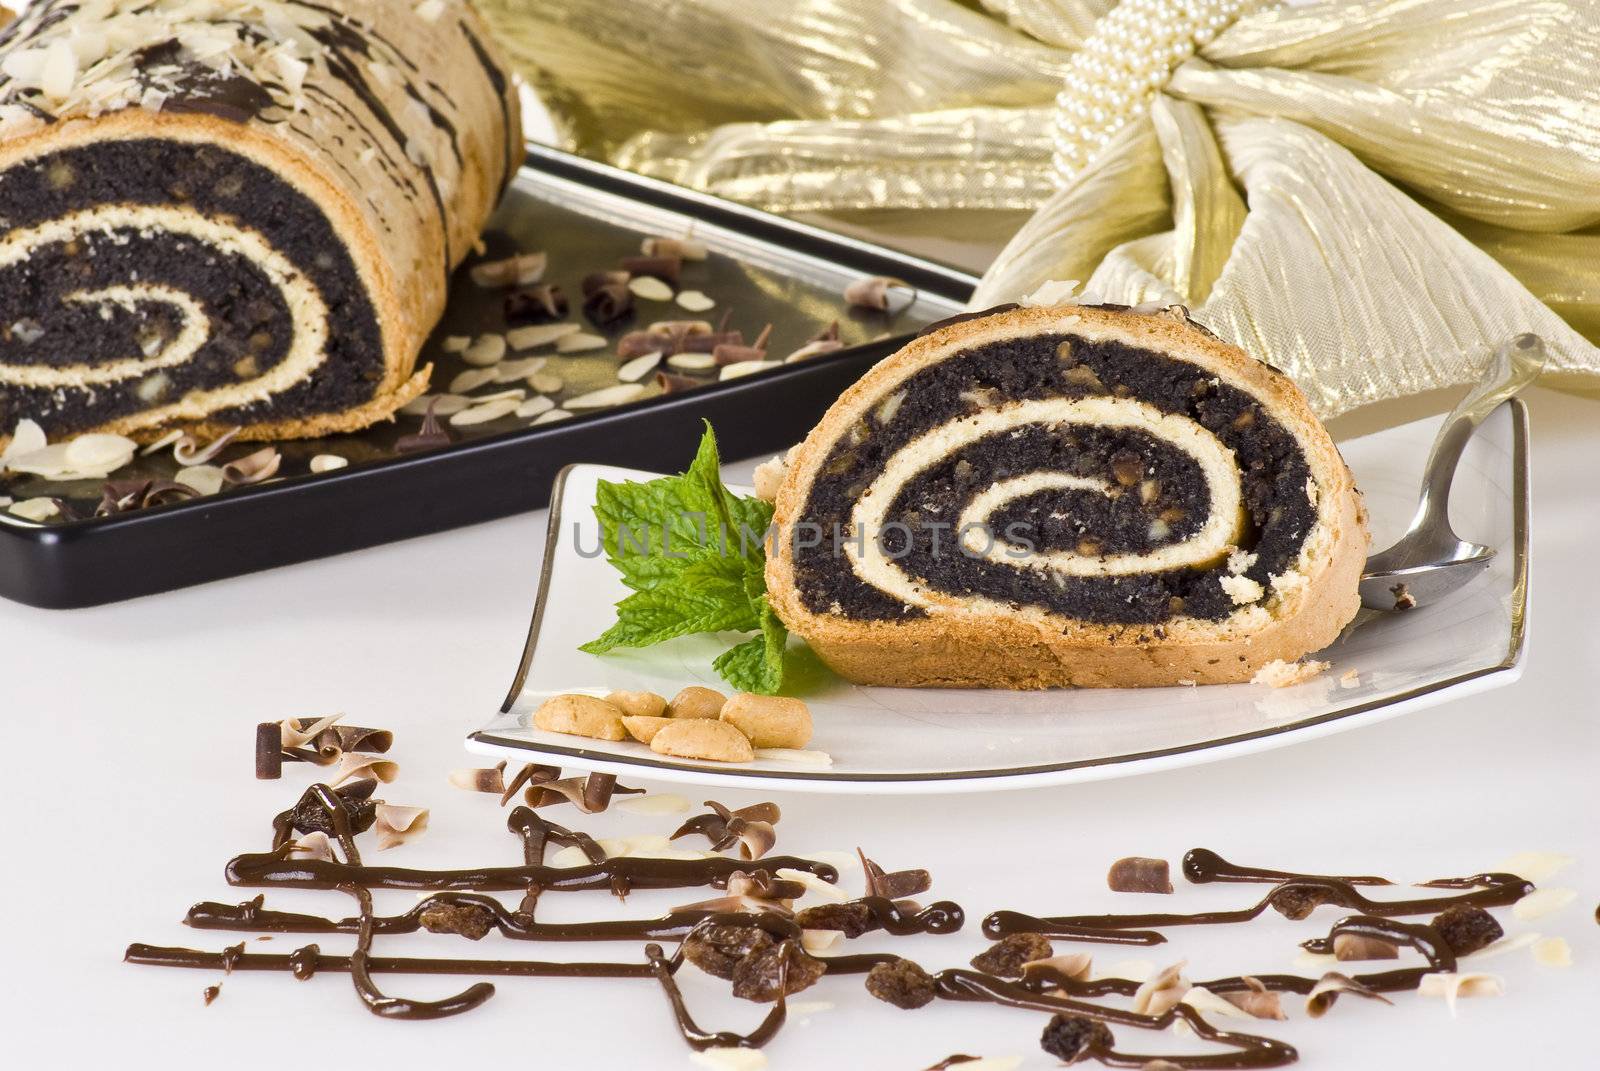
pixel 1067 495
pixel 218 213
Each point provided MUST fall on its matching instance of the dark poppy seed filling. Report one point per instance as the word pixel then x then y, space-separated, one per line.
pixel 117 291
pixel 1107 490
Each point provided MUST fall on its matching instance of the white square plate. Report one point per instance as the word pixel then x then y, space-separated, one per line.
pixel 903 740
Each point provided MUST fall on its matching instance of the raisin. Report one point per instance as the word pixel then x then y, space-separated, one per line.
pixel 309 816
pixel 1006 957
pixel 901 983
pixel 852 919
pixel 1466 929
pixel 755 977
pixel 1295 904
pixel 717 950
pixel 472 921
pixel 1071 1038
pixel 536 304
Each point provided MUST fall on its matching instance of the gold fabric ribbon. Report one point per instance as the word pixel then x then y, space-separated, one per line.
pixel 1365 194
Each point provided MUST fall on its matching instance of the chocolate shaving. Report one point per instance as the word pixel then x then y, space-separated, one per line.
pixel 269 751
pixel 189 451
pixel 749 827
pixel 253 468
pixel 125 496
pixel 517 270
pixel 1160 992
pixel 428 436
pixel 536 304
pixel 708 343
pixel 1140 874
pixel 530 774
pixel 680 248
pixel 1330 987
pixel 356 765
pixel 395 824
pixel 1069 966
pixel 576 791
pixel 598 280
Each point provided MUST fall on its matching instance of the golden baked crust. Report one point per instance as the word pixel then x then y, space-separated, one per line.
pixel 384 216
pixel 956 646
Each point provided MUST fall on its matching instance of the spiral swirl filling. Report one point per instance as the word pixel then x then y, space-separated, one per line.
pixel 1087 478
pixel 175 281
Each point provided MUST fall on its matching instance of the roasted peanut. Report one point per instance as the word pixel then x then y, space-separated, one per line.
pixel 580 715
pixel 696 702
pixel 769 720
pixel 702 738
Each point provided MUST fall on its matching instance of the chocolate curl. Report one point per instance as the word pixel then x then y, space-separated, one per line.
pixel 362 766
pixel 896 885
pixel 269 751
pixel 430 435
pixel 395 824
pixel 1257 1000
pixel 535 304
pixel 638 343
pixel 1357 946
pixel 667 269
pixel 297 732
pixel 354 738
pixel 518 270
pixel 490 780
pixel 873 292
pixel 573 790
pixel 189 451
pixel 529 774
pixel 1330 987
pixel 734 354
pixel 749 827
pixel 755 890
pixel 681 248
pixel 1161 992
pixel 253 468
pixel 608 304
pixel 599 280
pixel 672 383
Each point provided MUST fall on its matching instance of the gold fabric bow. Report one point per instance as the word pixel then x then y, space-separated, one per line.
pixel 1365 194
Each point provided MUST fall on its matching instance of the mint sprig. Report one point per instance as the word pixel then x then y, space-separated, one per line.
pixel 695 557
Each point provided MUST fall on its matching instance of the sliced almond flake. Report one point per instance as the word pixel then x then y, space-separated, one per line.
pixel 1537 867
pixel 26 438
pixel 293 737
pixel 570 856
pixel 1452 986
pixel 825 889
pixel 649 288
pixel 355 767
pixel 162 443
pixel 605 397
pixel 1130 970
pixel 655 802
pixel 740 369
pixel 730 1059
pixel 819 940
pixel 535 335
pixel 485 351
pixel 1256 1000
pixel 639 367
pixel 519 270
pixel 206 479
pixel 34 509
pixel 1513 943
pixel 695 301
pixel 456 343
pixel 447 404
pixel 692 362
pixel 314 845
pixel 1206 1002
pixel 520 368
pixel 1542 902
pixel 552 416
pixel 513 393
pixel 535 406
pixel 395 824
pixel 1553 952
pixel 803 1009
pixel 471 380
pixel 483 414
pixel 797 756
pixel 840 860
pixel 617 847
pixel 1316 961
pixel 546 382
pixel 579 342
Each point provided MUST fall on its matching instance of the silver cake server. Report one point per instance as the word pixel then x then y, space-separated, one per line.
pixel 1430 560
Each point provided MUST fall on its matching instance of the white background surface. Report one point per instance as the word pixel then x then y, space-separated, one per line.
pixel 127 783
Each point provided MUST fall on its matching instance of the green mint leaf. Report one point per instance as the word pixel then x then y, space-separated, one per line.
pixel 705 598
pixel 756 665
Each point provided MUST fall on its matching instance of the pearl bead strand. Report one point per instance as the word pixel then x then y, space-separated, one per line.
pixel 1131 54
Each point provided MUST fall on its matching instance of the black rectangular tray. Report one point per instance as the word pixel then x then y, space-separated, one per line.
pixel 582 213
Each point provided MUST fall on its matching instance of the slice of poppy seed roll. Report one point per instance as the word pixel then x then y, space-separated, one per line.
pixel 220 212
pixel 1070 495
